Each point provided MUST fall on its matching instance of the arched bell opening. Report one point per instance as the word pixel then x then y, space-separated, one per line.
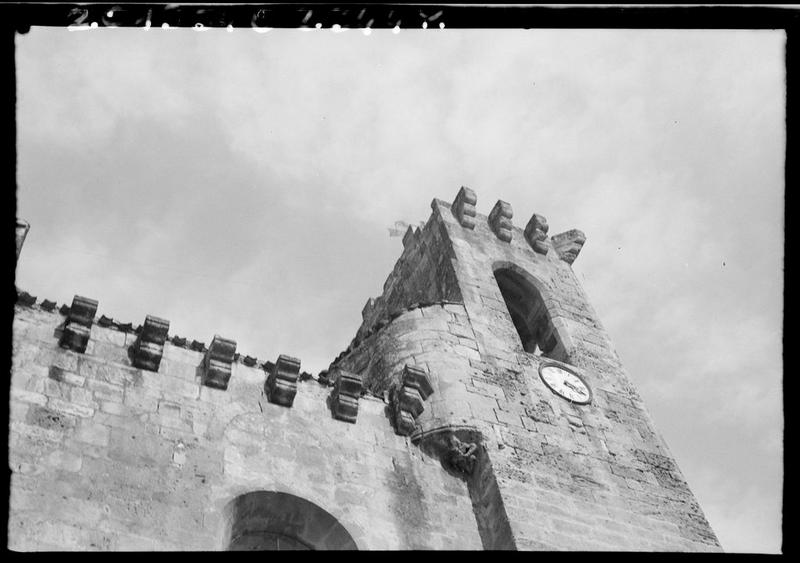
pixel 530 316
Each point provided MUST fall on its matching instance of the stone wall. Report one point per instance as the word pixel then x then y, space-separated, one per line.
pixel 109 457
pixel 456 441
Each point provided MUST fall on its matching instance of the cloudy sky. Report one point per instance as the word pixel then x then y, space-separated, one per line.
pixel 243 184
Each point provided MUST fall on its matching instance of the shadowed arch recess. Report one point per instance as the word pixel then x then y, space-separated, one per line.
pixel 529 314
pixel 269 520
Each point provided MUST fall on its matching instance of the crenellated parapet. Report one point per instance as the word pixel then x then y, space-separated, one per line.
pixel 499 220
pixel 407 399
pixel 149 346
pixel 147 350
pixel 78 326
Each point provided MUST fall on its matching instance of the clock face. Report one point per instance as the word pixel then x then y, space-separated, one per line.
pixel 565 384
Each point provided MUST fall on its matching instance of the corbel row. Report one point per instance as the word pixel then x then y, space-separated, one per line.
pixel 567 245
pixel 406 397
pixel 148 349
pixel 458 447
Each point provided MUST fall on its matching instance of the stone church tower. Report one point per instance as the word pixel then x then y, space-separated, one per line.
pixel 479 406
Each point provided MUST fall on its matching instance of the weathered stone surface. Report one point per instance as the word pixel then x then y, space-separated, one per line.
pixel 149 347
pixel 79 324
pixel 218 362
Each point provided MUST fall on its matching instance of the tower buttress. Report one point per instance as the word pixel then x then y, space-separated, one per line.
pixel 528 398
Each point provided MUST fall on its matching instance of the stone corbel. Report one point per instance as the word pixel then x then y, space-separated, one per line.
pixel 500 220
pixel 536 233
pixel 78 325
pixel 149 347
pixel 345 395
pixel 407 398
pixel 281 384
pixel 458 447
pixel 218 363
pixel 568 245
pixel 463 207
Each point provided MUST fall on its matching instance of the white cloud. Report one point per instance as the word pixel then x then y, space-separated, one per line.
pixel 242 184
pixel 744 517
